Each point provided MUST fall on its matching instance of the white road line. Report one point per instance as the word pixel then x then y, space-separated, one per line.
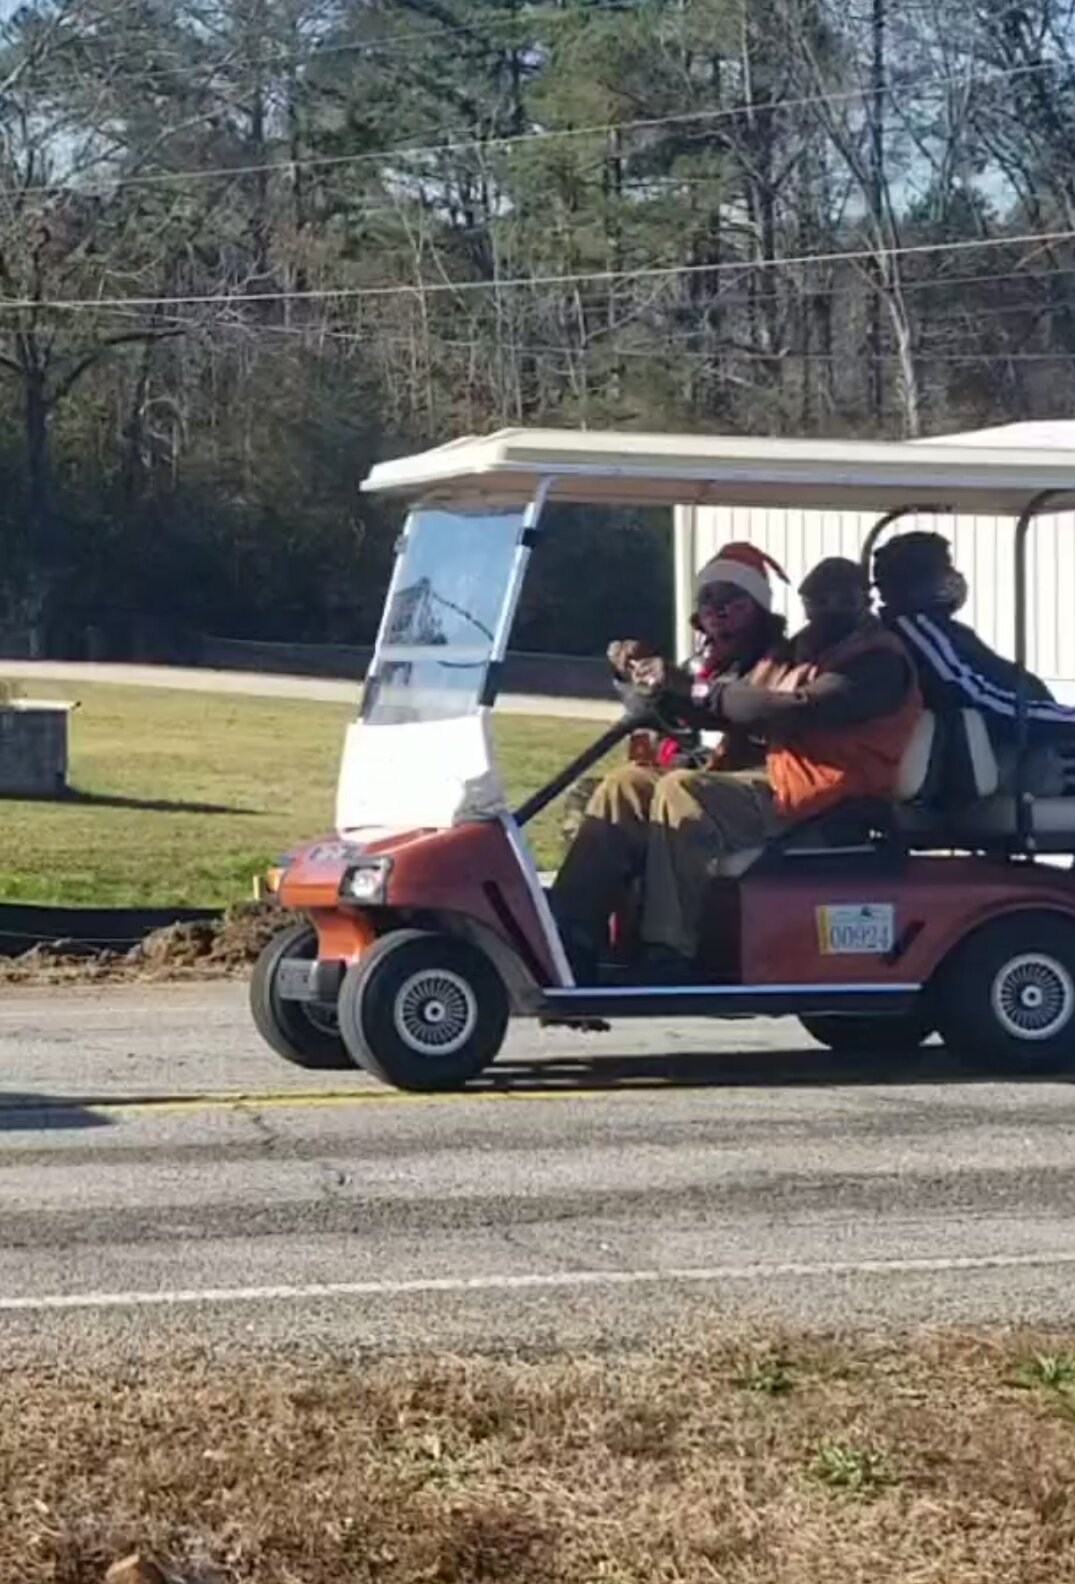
pixel 531 1282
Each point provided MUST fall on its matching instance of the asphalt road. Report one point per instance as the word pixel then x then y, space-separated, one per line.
pixel 162 1178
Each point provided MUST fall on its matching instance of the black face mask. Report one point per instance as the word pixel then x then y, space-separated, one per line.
pixel 945 592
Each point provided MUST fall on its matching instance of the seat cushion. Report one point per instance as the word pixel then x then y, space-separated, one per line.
pixel 992 819
pixel 730 865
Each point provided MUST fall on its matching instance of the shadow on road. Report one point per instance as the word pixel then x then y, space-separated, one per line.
pixel 759 1069
pixel 39 1113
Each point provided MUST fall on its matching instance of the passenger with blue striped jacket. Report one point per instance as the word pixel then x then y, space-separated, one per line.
pixel 921 590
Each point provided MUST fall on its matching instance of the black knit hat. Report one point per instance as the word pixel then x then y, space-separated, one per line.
pixel 911 562
pixel 832 574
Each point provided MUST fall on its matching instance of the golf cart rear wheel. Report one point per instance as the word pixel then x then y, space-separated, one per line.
pixel 303 1033
pixel 423 1011
pixel 1006 1000
pixel 857 1032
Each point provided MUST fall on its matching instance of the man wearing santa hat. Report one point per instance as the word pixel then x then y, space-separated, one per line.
pixel 808 724
pixel 735 626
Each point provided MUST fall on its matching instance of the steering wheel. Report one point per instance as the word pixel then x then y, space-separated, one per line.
pixel 659 714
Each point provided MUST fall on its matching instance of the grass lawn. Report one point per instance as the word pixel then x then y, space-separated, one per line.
pixel 936 1460
pixel 184 797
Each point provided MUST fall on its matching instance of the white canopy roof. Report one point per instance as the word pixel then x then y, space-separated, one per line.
pixel 1048 434
pixel 980 473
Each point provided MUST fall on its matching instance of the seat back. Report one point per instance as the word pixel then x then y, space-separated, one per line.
pixel 917 767
pixel 949 761
pixel 969 768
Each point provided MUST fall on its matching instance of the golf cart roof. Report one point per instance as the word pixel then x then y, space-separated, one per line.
pixel 621 467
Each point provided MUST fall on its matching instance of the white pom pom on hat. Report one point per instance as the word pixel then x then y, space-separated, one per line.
pixel 745 567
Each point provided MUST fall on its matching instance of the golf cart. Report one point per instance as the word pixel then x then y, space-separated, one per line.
pixel 421 925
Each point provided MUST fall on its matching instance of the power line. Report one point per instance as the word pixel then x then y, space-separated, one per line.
pixel 467 287
pixel 1043 277
pixel 402 151
pixel 570 356
pixel 601 345
pixel 602 341
pixel 606 336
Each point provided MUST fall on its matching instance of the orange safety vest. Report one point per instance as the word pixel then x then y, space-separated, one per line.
pixel 823 767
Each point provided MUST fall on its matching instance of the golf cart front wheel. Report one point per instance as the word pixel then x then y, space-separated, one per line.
pixel 1006 1000
pixel 304 1033
pixel 901 1031
pixel 423 1011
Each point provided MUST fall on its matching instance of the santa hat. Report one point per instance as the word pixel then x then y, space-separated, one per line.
pixel 744 566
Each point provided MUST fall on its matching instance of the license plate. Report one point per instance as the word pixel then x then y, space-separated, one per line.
pixel 856 928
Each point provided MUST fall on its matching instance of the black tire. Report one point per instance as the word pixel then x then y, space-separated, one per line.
pixel 302 1038
pixel 387 1002
pixel 1006 998
pixel 904 1031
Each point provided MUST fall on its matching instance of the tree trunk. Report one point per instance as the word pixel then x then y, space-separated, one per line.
pixel 875 335
pixel 40 523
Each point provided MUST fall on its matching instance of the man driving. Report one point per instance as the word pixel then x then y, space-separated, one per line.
pixel 832 712
pixel 735 626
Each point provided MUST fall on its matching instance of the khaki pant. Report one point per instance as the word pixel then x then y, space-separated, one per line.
pixel 667 829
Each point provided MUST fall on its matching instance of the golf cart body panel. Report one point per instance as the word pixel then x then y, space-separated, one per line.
pixel 430 922
pixel 473 875
pixel 877 924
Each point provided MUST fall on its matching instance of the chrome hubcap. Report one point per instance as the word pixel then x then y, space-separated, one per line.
pixel 436 1012
pixel 1033 997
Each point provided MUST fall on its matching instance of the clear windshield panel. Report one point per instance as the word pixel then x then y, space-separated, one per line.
pixel 404 691
pixel 451 584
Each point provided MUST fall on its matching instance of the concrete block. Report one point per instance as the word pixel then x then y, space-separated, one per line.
pixel 34 748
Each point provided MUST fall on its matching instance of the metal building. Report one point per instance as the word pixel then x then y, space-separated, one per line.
pixel 983 549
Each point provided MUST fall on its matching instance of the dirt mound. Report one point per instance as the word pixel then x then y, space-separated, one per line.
pixel 218 946
pixel 209 949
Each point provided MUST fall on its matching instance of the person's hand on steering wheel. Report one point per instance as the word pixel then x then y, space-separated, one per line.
pixel 653 676
pixel 624 653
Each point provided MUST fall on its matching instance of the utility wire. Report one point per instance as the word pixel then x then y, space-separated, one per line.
pixel 519 282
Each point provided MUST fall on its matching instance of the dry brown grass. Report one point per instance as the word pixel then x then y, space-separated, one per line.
pixel 941 1461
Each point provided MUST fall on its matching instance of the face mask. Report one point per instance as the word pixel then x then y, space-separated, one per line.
pixel 951 592
pixel 943 591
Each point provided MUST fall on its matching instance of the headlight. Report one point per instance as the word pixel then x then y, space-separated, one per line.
pixel 366 882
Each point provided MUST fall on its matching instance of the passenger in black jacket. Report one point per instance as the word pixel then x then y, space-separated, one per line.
pixel 921 591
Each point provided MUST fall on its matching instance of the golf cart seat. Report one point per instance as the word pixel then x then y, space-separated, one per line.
pixel 982 813
pixel 857 822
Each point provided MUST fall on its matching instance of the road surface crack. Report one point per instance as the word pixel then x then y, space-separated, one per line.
pixel 269 1139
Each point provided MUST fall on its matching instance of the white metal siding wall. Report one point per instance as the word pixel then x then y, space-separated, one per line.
pixel 983 550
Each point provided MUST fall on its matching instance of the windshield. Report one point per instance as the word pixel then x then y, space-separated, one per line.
pixel 451 586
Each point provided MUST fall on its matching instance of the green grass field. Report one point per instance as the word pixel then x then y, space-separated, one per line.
pixel 184 797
